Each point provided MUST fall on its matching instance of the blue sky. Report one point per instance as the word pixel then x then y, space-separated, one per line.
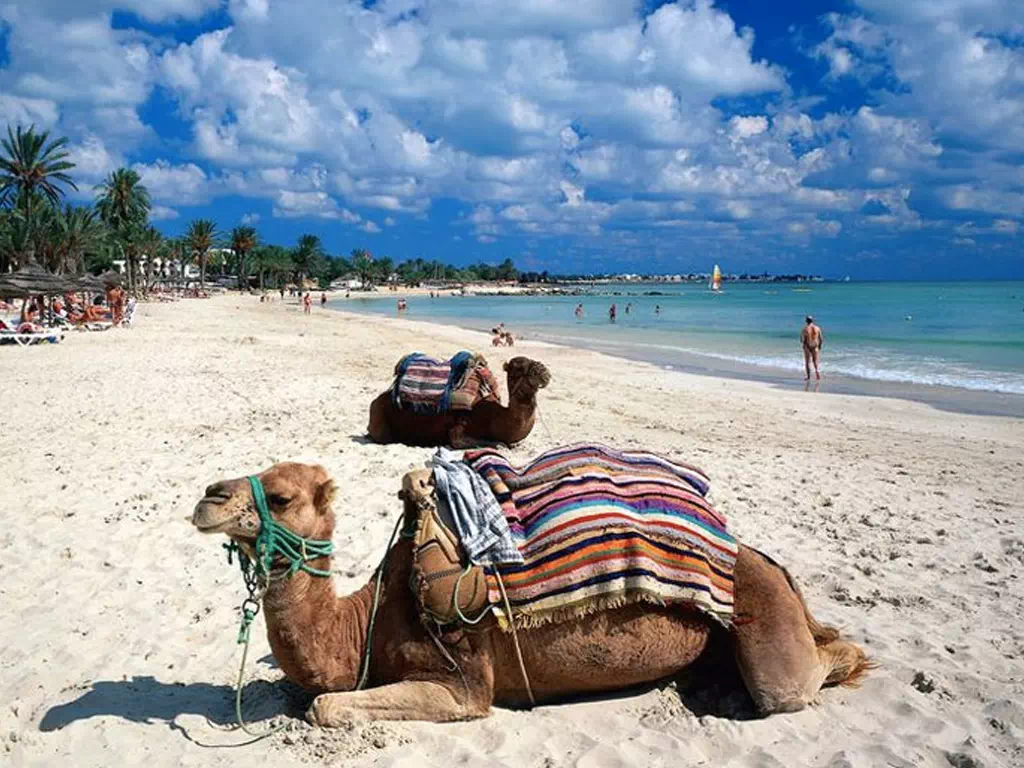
pixel 867 137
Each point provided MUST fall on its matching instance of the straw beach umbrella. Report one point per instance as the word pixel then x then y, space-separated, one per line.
pixel 111 277
pixel 31 279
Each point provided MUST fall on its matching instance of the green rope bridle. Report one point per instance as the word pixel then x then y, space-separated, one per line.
pixel 273 541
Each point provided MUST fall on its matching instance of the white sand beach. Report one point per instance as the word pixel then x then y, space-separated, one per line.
pixel 903 524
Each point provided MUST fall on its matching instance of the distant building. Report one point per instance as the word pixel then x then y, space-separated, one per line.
pixel 349 282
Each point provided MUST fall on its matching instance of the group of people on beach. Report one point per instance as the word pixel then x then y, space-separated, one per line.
pixel 502 337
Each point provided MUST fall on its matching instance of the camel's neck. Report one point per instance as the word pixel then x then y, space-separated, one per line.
pixel 317 637
pixel 519 415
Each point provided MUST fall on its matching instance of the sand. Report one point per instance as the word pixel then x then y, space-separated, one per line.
pixel 902 523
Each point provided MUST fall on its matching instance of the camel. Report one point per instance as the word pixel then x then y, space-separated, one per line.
pixel 320 639
pixel 488 423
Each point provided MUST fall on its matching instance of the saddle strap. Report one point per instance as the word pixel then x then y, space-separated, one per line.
pixel 515 639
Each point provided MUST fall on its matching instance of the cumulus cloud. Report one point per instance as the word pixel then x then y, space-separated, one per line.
pixel 163 213
pixel 598 119
pixel 179 184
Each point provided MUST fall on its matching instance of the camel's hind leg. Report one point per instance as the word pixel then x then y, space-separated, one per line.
pixel 783 654
pixel 409 700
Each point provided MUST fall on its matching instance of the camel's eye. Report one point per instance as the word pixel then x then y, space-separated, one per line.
pixel 278 501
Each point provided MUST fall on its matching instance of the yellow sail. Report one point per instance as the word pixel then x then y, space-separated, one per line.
pixel 716 279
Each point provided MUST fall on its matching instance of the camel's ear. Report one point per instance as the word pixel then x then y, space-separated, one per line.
pixel 504 367
pixel 324 497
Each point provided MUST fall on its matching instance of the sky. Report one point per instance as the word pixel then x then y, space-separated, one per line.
pixel 871 138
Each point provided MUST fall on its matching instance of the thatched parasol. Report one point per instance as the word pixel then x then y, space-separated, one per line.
pixel 32 279
pixel 90 283
pixel 112 277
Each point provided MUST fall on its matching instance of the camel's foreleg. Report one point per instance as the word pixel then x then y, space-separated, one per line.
pixel 409 700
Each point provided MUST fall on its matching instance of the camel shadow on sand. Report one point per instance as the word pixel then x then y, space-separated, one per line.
pixel 145 699
pixel 712 686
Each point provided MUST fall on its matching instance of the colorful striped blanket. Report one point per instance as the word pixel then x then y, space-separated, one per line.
pixel 600 528
pixel 436 386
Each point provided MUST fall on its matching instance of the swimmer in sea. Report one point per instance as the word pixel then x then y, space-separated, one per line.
pixel 813 339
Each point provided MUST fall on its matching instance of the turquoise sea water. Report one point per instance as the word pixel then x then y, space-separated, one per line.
pixel 964 335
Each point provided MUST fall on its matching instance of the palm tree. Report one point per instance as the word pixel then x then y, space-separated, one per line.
pixel 123 204
pixel 243 240
pixel 362 263
pixel 201 236
pixel 306 255
pixel 383 268
pixel 81 233
pixel 271 260
pixel 123 200
pixel 153 246
pixel 15 240
pixel 32 164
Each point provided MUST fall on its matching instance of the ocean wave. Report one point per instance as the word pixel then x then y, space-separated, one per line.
pixel 868 364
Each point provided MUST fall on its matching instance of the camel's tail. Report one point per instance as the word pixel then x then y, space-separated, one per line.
pixel 847 662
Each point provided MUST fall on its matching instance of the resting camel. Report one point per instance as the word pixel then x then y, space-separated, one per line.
pixel 320 639
pixel 488 422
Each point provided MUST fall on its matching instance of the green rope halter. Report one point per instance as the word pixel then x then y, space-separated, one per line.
pixel 274 540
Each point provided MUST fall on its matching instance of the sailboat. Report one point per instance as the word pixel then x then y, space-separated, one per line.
pixel 716 280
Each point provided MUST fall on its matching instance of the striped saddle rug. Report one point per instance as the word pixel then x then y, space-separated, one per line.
pixel 600 528
pixel 427 385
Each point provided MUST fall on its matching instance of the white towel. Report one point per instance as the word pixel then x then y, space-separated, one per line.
pixel 466 500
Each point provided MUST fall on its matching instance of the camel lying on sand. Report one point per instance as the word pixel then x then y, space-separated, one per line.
pixel 319 639
pixel 488 422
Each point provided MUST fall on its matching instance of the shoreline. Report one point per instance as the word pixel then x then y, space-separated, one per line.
pixel 957 400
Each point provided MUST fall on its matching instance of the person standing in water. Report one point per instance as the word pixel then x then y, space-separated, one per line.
pixel 323 299
pixel 813 339
pixel 611 313
pixel 578 311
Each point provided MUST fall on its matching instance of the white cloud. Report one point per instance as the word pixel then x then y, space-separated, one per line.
pixel 28 111
pixel 292 205
pixel 369 227
pixel 250 219
pixel 177 184
pixel 163 213
pixel 595 118
pixel 93 162
pixel 746 127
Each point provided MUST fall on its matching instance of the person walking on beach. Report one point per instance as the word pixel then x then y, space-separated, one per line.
pixel 307 303
pixel 813 339
pixel 323 299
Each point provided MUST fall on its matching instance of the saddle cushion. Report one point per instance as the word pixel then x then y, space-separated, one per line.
pixel 599 528
pixel 426 385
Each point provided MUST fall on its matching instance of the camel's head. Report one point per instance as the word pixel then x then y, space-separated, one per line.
pixel 529 374
pixel 298 495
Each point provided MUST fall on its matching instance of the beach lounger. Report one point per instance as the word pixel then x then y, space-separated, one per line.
pixel 27 338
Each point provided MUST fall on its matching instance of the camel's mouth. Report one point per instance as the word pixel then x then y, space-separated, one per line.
pixel 210 516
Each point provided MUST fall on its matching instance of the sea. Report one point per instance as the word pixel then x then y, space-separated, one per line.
pixel 955 345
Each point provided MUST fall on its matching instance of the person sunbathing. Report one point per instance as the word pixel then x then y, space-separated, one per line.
pixel 92 314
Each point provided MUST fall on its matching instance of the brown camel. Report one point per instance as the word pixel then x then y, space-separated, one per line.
pixel 319 639
pixel 488 423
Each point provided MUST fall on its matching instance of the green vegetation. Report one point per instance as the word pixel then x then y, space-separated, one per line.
pixel 36 225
